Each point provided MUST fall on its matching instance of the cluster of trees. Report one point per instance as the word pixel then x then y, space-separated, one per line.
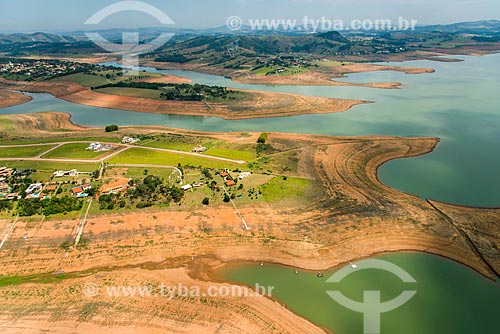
pixel 176 92
pixel 111 201
pixel 147 192
pixel 6 205
pixel 30 207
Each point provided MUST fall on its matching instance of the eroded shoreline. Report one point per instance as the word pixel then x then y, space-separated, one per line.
pixel 257 105
pixel 9 98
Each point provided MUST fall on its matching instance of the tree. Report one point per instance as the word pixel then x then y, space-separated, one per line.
pixel 226 198
pixel 111 128
pixel 262 138
pixel 205 201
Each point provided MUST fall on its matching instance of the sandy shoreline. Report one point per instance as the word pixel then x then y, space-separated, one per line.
pixel 9 99
pixel 323 76
pixel 257 105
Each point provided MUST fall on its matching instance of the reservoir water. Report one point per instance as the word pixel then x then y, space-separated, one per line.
pixel 450 298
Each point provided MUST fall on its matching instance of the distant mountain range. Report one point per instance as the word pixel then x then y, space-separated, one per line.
pixel 37 37
pixel 483 28
pixel 478 27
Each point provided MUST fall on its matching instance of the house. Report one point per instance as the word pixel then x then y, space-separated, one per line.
pixel 94 147
pixel 4 188
pixel 61 173
pixel 50 188
pixel 13 196
pixel 129 140
pixel 114 187
pixel 6 172
pixel 34 188
pixel 230 183
pixel 243 175
pixel 224 174
pixel 187 187
pixel 86 186
pixel 78 192
pixel 199 149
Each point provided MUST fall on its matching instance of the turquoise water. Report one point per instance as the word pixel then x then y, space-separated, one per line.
pixel 459 103
pixel 450 298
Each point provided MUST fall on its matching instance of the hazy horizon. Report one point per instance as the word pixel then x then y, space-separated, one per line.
pixel 59 16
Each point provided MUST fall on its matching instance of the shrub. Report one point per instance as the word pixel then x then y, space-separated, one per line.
pixel 205 201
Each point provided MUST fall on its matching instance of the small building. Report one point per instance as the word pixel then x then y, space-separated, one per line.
pixel 198 184
pixel 61 173
pixel 4 188
pixel 58 173
pixel 186 187
pixel 243 175
pixel 34 188
pixel 129 140
pixel 114 187
pixel 78 192
pixel 50 188
pixel 224 174
pixel 6 172
pixel 12 196
pixel 199 149
pixel 94 147
pixel 230 183
pixel 87 186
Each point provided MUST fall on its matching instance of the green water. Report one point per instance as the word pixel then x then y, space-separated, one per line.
pixel 459 103
pixel 450 298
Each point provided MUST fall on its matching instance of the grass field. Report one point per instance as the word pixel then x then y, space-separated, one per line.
pixel 230 153
pixel 74 151
pixel 23 152
pixel 291 189
pixel 287 72
pixel 216 148
pixel 142 156
pixel 113 138
pixel 50 166
pixel 171 145
pixel 138 173
pixel 86 80
pixel 133 92
pixel 6 123
pixel 103 77
pixel 330 63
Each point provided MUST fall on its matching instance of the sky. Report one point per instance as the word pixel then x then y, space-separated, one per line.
pixel 70 15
